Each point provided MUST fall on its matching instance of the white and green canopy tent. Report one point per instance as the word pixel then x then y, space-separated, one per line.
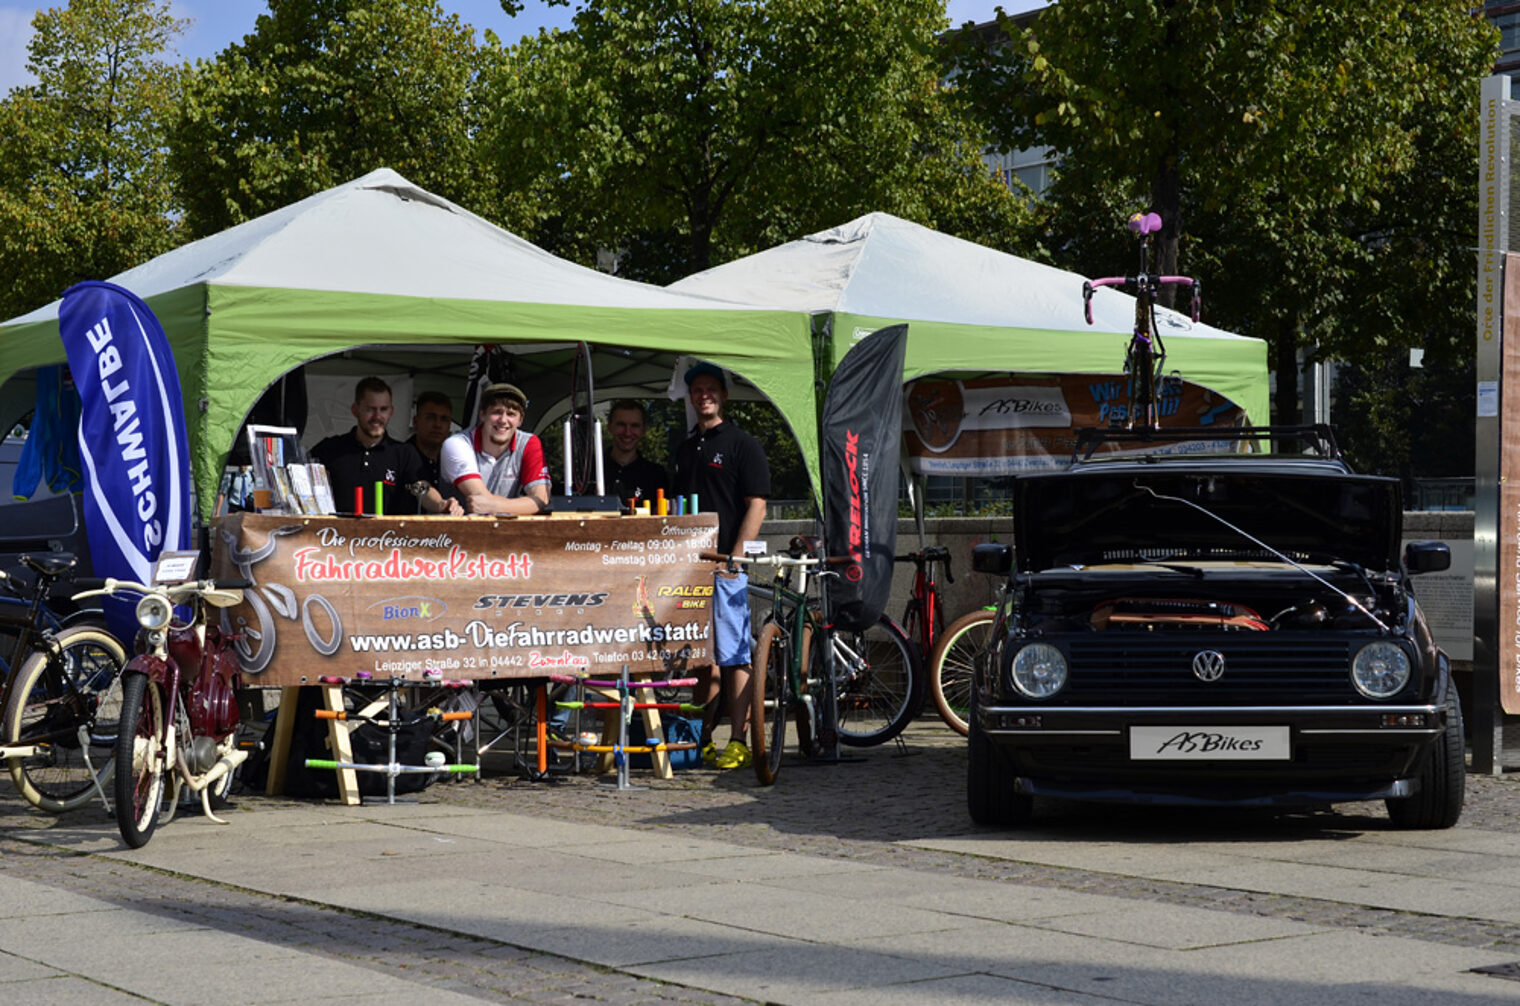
pixel 397 279
pixel 971 309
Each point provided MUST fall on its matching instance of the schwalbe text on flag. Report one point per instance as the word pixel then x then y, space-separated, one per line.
pixel 132 441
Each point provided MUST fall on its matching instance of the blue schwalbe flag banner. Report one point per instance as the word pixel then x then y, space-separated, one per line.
pixel 132 442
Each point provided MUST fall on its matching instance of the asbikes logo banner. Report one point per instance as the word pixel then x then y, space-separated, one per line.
pixel 132 440
pixel 993 426
pixel 861 427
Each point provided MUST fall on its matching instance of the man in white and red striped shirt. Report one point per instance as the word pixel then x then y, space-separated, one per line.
pixel 497 467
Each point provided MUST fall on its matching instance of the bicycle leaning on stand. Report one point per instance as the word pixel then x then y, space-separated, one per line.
pixel 924 615
pixel 61 695
pixel 853 688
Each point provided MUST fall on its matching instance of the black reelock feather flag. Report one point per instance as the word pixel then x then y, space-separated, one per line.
pixel 861 429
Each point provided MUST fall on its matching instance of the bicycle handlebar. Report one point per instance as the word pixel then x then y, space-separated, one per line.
pixel 177 593
pixel 1091 286
pixel 779 559
pixel 930 553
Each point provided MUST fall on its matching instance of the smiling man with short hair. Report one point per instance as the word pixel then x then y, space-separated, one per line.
pixel 497 467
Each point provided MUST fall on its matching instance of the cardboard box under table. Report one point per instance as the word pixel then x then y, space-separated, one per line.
pixel 470 598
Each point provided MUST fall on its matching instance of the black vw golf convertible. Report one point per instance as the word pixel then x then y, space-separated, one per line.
pixel 1234 629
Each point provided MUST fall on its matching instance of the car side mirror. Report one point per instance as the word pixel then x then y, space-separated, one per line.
pixel 1427 556
pixel 992 558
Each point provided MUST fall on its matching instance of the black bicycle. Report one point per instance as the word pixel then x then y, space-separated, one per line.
pixel 61 697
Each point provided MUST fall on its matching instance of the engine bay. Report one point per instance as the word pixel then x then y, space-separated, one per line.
pixel 1280 604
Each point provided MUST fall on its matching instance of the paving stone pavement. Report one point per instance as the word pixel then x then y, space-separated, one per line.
pixel 870 809
pixel 880 809
pixel 431 959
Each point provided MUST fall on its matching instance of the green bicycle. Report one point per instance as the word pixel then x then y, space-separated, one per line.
pixel 858 689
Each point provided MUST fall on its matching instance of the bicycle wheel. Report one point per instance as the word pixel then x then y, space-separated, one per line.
pixel 767 702
pixel 951 666
pixel 582 461
pixel 140 758
pixel 913 623
pixel 53 698
pixel 879 682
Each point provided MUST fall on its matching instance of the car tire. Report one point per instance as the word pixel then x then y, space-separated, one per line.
pixel 992 796
pixel 1437 803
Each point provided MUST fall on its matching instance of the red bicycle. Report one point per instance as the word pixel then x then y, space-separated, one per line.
pixel 924 617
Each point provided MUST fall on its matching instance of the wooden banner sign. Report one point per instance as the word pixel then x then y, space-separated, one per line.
pixel 470 597
pixel 1509 499
pixel 1004 425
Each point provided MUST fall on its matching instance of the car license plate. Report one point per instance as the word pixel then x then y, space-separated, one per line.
pixel 1209 743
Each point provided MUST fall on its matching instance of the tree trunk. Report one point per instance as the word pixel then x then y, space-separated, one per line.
pixel 1166 197
pixel 1285 404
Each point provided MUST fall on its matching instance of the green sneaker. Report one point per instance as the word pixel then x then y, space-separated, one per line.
pixel 736 755
pixel 710 755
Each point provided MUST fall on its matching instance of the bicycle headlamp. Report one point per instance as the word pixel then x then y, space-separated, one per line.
pixel 154 612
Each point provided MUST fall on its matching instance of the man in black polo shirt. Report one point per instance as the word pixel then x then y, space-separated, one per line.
pixel 630 475
pixel 727 470
pixel 432 422
pixel 367 454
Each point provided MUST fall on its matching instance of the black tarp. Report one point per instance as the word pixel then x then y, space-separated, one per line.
pixel 860 432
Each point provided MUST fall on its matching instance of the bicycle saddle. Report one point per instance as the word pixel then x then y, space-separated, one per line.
pixel 51 565
pixel 805 544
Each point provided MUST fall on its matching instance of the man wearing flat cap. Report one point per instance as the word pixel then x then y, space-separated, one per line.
pixel 497 467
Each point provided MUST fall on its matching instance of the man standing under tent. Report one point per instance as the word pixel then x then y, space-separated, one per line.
pixel 367 455
pixel 726 468
pixel 432 421
pixel 630 475
pixel 495 466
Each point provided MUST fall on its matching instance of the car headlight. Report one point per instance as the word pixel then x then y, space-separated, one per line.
pixel 1380 670
pixel 154 612
pixel 1038 670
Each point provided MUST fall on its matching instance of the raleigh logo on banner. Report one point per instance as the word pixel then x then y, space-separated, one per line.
pixel 132 440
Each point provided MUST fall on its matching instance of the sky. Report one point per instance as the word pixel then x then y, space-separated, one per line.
pixel 217 23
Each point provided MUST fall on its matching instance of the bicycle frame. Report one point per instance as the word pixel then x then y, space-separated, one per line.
pixel 799 621
pixel 1145 359
pixel 30 638
pixel 924 630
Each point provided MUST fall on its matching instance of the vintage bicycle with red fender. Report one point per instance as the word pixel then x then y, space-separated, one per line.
pixel 179 711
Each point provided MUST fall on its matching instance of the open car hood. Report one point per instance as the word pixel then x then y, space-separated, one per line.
pixel 1104 514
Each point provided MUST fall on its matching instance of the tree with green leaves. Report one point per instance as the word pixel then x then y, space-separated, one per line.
pixel 84 185
pixel 1292 148
pixel 321 92
pixel 688 132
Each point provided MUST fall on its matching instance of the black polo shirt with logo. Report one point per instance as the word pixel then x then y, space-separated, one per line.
pixel 638 479
pixel 723 466
pixel 350 464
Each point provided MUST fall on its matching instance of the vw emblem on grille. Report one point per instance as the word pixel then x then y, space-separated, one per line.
pixel 1208 665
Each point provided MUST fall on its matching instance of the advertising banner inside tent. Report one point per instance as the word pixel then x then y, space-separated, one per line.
pixel 861 433
pixel 1015 423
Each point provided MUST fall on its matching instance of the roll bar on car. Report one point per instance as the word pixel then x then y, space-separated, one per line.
pixel 1316 439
